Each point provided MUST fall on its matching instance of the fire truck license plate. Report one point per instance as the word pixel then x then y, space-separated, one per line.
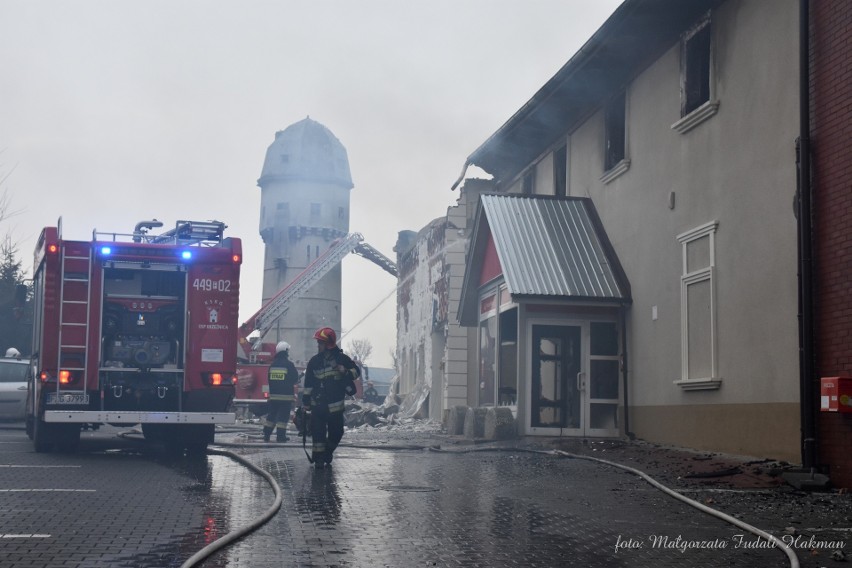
pixel 65 398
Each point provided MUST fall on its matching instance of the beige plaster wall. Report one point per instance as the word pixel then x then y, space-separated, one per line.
pixel 737 168
pixel 768 430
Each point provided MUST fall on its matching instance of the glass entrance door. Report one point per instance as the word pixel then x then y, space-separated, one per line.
pixel 574 380
pixel 556 373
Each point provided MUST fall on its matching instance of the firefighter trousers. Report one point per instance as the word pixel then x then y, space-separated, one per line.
pixel 326 432
pixel 278 418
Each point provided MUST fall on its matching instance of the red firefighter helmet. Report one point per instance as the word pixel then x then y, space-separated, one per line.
pixel 327 336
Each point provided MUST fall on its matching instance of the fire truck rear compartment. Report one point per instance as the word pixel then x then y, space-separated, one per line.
pixel 142 334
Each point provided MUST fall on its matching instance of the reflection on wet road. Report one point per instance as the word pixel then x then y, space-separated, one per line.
pixel 144 508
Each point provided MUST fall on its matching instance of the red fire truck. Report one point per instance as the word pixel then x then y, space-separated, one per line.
pixel 132 329
pixel 255 355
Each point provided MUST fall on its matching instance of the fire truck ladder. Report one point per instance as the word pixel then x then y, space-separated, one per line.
pixel 74 312
pixel 279 304
pixel 368 252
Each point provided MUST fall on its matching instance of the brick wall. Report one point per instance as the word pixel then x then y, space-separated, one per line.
pixel 831 130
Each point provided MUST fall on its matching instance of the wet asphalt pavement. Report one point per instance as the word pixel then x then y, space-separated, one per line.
pixel 396 498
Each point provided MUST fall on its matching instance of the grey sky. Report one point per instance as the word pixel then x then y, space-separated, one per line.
pixel 112 112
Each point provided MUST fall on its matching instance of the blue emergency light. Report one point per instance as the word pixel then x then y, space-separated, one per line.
pixel 106 251
pixel 186 255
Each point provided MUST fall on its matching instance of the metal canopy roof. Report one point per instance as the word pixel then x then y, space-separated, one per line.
pixel 548 247
pixel 637 33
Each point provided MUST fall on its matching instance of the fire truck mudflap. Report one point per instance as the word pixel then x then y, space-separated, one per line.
pixel 134 329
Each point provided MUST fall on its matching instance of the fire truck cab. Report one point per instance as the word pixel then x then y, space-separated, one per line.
pixel 133 329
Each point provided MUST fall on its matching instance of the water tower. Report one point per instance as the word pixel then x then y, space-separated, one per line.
pixel 304 206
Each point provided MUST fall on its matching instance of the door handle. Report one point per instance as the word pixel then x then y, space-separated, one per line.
pixel 580 384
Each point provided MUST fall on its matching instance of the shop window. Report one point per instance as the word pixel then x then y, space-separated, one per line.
pixel 498 350
pixel 487 360
pixel 507 370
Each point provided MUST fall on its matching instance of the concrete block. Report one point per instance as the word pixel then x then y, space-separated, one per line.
pixel 474 422
pixel 500 424
pixel 455 420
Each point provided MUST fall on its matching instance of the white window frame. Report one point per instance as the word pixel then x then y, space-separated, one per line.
pixel 703 274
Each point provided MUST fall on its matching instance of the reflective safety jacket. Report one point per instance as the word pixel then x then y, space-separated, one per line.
pixel 283 378
pixel 328 377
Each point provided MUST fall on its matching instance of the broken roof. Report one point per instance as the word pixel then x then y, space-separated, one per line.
pixel 548 248
pixel 636 34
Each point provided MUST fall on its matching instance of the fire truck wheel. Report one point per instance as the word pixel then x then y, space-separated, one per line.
pixel 154 432
pixel 68 438
pixel 196 449
pixel 43 438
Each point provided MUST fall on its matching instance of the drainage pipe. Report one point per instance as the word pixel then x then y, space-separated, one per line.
pixel 804 229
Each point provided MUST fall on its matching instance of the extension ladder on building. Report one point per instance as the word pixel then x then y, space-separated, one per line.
pixel 265 318
pixel 278 305
pixel 370 253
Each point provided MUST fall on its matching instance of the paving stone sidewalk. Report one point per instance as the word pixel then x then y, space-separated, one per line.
pixel 411 496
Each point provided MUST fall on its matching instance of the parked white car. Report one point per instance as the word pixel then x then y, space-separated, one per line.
pixel 13 389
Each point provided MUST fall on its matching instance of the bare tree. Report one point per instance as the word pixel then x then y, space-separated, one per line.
pixel 5 198
pixel 394 361
pixel 360 349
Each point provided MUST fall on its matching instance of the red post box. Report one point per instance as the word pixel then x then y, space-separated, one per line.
pixel 836 394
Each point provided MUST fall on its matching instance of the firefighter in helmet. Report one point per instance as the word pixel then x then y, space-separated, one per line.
pixel 329 378
pixel 12 353
pixel 283 377
pixel 371 394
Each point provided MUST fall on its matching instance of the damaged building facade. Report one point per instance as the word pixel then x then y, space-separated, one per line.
pixel 432 349
pixel 631 268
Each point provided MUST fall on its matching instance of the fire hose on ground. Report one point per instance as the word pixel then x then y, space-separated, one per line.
pixel 269 513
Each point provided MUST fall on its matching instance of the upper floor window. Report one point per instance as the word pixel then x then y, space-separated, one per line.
pixel 560 170
pixel 615 138
pixel 697 96
pixel 696 68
